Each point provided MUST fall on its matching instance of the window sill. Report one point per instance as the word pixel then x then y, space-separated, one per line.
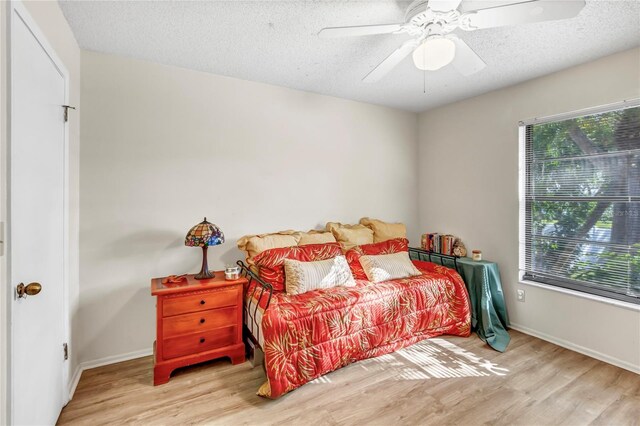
pixel 596 298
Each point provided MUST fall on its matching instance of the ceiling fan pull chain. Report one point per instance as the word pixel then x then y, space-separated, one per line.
pixel 424 82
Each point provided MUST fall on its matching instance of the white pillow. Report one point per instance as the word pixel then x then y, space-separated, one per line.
pixel 301 277
pixel 385 267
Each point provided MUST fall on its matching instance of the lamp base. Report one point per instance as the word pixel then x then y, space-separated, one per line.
pixel 204 273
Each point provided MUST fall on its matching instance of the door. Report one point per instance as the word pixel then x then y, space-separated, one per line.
pixel 37 224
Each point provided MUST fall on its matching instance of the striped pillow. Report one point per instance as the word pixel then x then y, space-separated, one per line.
pixel 385 267
pixel 301 277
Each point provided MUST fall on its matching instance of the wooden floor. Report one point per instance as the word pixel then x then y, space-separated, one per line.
pixel 448 380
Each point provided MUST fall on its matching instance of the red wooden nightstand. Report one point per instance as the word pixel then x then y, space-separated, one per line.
pixel 197 320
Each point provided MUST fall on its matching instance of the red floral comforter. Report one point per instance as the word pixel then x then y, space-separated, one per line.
pixel 308 335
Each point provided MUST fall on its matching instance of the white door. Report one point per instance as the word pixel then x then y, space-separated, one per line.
pixel 37 225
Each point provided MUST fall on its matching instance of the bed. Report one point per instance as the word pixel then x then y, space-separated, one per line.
pixel 305 336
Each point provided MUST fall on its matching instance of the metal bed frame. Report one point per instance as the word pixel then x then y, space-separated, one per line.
pixel 450 261
pixel 264 289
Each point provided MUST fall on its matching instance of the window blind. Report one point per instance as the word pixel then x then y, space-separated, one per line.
pixel 580 214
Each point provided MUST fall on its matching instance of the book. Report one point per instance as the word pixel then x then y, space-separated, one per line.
pixel 438 243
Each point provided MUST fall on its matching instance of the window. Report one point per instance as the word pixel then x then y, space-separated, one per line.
pixel 580 202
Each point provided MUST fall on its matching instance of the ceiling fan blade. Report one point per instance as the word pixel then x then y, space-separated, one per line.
pixel 521 13
pixel 361 30
pixel 391 61
pixel 443 5
pixel 466 61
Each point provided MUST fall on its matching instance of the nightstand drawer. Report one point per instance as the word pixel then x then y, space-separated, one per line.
pixel 199 342
pixel 199 321
pixel 200 302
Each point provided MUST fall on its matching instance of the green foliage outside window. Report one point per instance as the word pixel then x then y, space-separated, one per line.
pixel 584 199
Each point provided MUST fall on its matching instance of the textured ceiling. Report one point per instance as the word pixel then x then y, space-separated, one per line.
pixel 276 42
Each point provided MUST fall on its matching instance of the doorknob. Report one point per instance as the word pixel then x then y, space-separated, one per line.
pixel 30 289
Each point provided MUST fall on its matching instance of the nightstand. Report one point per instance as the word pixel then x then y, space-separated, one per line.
pixel 197 320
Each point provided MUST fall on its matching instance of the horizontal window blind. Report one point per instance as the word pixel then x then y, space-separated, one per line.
pixel 581 203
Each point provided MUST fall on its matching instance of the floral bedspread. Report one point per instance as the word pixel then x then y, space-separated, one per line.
pixel 308 335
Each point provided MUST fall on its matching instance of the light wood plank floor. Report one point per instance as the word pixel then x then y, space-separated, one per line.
pixel 448 380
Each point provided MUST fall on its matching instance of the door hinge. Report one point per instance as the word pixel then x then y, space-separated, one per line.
pixel 65 348
pixel 66 112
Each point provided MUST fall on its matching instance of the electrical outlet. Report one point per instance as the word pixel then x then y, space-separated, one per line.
pixel 520 295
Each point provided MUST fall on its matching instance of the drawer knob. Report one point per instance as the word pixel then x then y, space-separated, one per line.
pixel 202 302
pixel 201 320
pixel 202 340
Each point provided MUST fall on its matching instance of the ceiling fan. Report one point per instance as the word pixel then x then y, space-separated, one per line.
pixel 431 22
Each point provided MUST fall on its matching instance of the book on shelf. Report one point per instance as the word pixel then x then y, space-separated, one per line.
pixel 438 243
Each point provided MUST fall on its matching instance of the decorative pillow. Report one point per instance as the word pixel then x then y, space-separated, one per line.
pixel 350 235
pixel 271 262
pixel 306 276
pixel 253 245
pixel 316 237
pixel 385 247
pixel 385 267
pixel 383 231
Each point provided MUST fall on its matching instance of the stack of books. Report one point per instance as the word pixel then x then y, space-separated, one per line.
pixel 439 243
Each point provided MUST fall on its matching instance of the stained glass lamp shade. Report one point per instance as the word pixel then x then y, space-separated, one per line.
pixel 203 235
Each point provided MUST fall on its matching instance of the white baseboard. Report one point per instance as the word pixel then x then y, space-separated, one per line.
pixel 114 359
pixel 577 348
pixel 74 381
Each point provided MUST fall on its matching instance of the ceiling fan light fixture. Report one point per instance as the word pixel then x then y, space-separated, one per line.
pixel 434 53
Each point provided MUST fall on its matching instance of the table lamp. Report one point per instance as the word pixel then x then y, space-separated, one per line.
pixel 203 235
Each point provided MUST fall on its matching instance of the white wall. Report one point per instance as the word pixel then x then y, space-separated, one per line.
pixel 164 146
pixel 4 286
pixel 474 144
pixel 50 20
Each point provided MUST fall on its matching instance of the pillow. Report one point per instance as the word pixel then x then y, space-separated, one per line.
pixel 271 262
pixel 385 247
pixel 383 231
pixel 350 235
pixel 316 237
pixel 385 267
pixel 253 245
pixel 302 277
